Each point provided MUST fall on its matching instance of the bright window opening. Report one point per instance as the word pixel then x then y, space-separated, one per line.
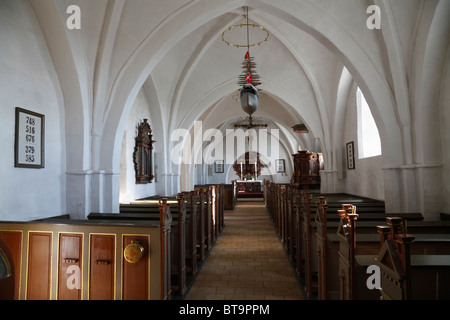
pixel 369 144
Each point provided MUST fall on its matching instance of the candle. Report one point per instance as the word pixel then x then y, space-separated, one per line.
pixel 256 171
pixel 241 171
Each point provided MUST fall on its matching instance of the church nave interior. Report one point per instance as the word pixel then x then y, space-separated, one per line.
pixel 133 127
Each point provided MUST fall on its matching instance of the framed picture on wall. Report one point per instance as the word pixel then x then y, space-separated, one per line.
pixel 29 139
pixel 218 166
pixel 350 155
pixel 279 164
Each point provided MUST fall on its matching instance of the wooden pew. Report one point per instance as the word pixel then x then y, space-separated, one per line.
pixel 355 254
pixel 180 234
pixel 325 230
pixel 289 209
pixel 202 220
pixel 84 259
pixel 282 204
pixel 406 276
pixel 351 267
pixel 299 261
pixel 308 255
pixel 358 252
pixel 208 218
pixel 215 211
pixel 230 195
pixel 191 206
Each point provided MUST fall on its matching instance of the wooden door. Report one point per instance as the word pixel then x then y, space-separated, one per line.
pixel 39 265
pixel 13 239
pixel 70 266
pixel 102 266
pixel 136 275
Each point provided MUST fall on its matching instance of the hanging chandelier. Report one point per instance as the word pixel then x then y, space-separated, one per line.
pixel 249 79
pixel 247 25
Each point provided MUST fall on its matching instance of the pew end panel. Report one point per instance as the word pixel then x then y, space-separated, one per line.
pixel 411 277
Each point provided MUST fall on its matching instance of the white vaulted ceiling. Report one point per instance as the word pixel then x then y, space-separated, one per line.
pixel 174 47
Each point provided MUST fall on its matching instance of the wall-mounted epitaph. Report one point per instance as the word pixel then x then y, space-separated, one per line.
pixel 29 139
pixel 142 156
pixel 350 155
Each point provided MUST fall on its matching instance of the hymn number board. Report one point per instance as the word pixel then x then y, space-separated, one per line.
pixel 29 139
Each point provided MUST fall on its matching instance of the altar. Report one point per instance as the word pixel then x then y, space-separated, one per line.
pixel 249 188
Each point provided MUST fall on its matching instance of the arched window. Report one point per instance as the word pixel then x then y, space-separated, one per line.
pixel 369 144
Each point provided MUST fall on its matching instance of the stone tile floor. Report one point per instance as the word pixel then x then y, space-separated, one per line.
pixel 248 261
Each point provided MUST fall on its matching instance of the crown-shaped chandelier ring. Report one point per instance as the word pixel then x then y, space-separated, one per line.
pixel 247 25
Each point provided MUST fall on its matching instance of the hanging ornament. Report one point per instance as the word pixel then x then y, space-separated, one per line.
pixel 249 98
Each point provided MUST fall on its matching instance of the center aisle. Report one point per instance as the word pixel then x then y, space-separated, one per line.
pixel 248 261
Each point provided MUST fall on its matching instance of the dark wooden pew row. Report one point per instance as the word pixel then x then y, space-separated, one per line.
pixel 216 192
pixel 201 225
pixel 293 213
pixel 290 212
pixel 230 195
pixel 338 251
pixel 410 276
pixel 359 251
pixel 202 222
pixel 315 240
pixel 193 207
pixel 208 219
pixel 192 222
pixel 296 222
pixel 63 259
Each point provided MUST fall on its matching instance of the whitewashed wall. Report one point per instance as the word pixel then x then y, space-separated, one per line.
pixel 366 179
pixel 28 80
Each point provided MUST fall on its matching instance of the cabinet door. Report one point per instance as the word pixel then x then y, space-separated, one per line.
pixel 70 266
pixel 102 266
pixel 13 239
pixel 39 265
pixel 136 275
